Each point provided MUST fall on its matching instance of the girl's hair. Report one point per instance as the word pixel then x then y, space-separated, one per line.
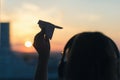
pixel 91 56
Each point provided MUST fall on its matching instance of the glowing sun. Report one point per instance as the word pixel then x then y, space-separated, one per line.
pixel 28 44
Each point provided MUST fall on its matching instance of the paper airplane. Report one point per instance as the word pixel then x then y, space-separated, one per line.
pixel 49 28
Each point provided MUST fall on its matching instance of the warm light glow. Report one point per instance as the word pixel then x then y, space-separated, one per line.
pixel 23 22
pixel 28 44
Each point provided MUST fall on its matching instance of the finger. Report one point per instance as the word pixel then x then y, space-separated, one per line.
pixel 38 37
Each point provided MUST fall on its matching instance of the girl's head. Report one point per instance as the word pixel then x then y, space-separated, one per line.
pixel 89 56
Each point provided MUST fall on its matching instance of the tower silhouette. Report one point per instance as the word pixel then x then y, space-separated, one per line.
pixel 4 35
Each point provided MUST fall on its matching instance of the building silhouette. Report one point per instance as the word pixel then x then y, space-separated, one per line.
pixel 5 35
pixel 12 66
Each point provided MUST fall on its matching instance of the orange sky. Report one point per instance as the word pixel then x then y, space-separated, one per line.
pixel 74 16
pixel 19 35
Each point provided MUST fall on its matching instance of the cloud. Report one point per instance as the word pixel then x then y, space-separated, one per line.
pixel 29 14
pixel 89 17
pixel 28 10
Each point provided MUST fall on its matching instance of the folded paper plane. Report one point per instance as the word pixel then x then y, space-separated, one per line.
pixel 49 28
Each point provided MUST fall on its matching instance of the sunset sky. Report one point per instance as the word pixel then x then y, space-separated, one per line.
pixel 73 15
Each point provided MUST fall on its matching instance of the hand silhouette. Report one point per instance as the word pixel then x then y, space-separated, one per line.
pixel 42 46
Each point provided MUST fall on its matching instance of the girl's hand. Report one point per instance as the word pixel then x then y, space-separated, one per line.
pixel 42 46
